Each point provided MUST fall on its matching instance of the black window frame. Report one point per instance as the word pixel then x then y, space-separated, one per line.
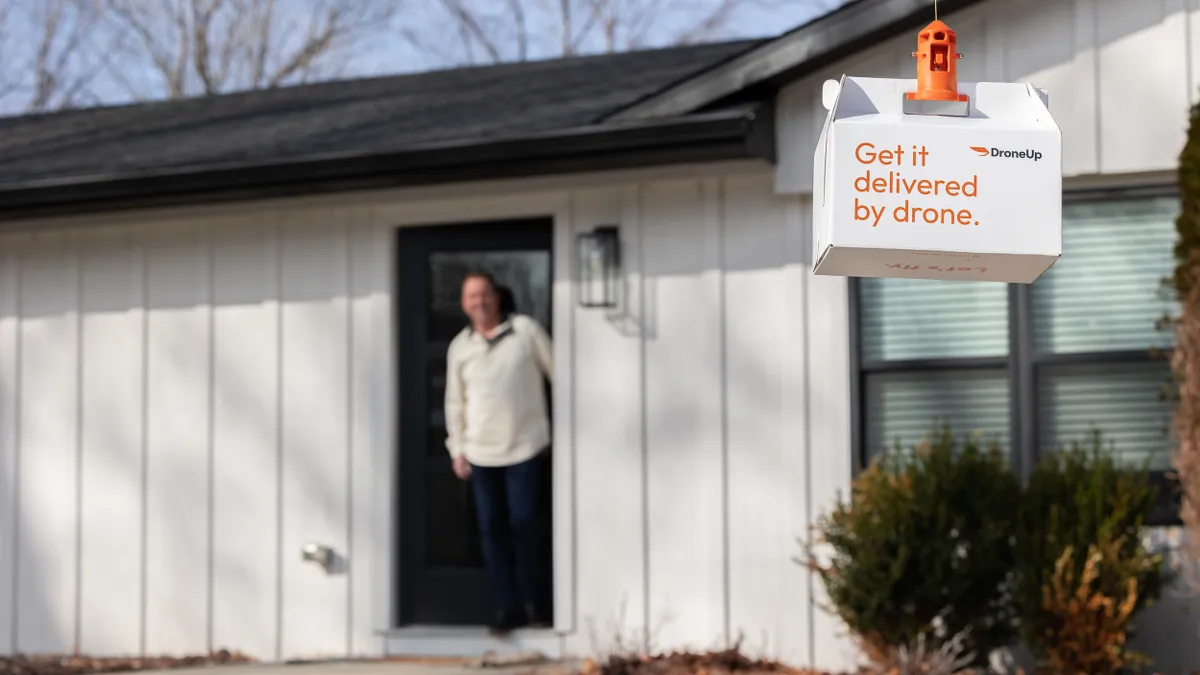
pixel 1022 363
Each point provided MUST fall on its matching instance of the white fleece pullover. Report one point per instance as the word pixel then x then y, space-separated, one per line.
pixel 496 412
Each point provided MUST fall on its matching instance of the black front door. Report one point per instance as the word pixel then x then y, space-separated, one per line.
pixel 442 578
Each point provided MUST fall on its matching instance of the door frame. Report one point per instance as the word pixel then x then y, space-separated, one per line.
pixel 418 583
pixel 387 558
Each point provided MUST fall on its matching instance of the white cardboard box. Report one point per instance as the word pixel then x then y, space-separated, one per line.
pixel 932 197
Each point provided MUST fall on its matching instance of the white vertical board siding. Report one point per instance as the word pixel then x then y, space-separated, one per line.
pixel 1100 60
pixel 47 603
pixel 112 382
pixel 247 440
pixel 680 234
pixel 830 456
pixel 178 415
pixel 1142 58
pixel 315 372
pixel 765 458
pixel 609 451
pixel 367 529
pixel 231 378
pixel 178 437
pixel 690 422
pixel 563 520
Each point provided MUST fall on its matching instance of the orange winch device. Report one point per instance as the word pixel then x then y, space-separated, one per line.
pixel 937 74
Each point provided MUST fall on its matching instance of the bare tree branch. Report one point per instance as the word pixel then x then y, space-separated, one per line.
pixel 470 25
pixel 46 60
pixel 207 47
pixel 518 14
pixel 717 17
pixel 501 30
pixel 7 72
pixel 61 53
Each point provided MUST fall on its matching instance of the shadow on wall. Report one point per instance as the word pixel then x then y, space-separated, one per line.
pixel 27 623
pixel 705 433
pixel 163 542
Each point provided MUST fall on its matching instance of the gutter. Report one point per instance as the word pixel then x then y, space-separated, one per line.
pixel 743 133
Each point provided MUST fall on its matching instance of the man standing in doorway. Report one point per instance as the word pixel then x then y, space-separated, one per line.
pixel 498 434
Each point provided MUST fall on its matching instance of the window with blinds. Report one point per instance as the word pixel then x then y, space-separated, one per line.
pixel 939 351
pixel 908 326
pixel 903 319
pixel 1098 305
pixel 1121 400
pixel 904 407
pixel 1105 293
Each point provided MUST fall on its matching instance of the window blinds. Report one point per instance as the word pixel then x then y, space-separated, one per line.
pixel 1120 400
pixel 906 406
pixel 1105 293
pixel 902 319
pixel 1103 296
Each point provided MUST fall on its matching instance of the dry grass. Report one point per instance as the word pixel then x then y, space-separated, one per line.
pixel 83 665
pixel 924 657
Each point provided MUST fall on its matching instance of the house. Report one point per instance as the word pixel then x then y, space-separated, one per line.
pixel 222 324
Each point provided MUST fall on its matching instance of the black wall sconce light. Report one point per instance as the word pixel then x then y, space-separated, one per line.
pixel 599 265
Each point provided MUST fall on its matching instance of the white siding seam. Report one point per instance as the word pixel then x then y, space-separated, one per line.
pixel 17 446
pixel 276 248
pixel 1097 83
pixel 644 422
pixel 79 421
pixel 796 219
pixel 723 374
pixel 211 445
pixel 141 235
pixel 349 226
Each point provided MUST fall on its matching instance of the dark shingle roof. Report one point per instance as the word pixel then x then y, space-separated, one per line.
pixel 351 116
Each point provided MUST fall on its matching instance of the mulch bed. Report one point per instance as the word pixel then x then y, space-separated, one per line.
pixel 82 665
pixel 723 662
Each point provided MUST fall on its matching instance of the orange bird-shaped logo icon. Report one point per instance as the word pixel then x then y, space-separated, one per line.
pixel 983 152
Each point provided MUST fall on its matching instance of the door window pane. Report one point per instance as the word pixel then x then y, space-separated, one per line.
pixel 1105 293
pixel 927 319
pixel 1123 401
pixel 525 273
pixel 906 406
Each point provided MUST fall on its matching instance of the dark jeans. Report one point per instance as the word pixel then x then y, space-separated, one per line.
pixel 508 503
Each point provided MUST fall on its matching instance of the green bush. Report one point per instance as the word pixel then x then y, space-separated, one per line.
pixel 925 546
pixel 1077 499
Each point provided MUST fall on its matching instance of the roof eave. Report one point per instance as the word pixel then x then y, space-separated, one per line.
pixel 746 133
pixel 851 28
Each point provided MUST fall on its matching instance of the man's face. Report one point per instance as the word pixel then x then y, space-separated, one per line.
pixel 480 302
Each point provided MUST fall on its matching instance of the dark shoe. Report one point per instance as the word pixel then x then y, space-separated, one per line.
pixel 506 622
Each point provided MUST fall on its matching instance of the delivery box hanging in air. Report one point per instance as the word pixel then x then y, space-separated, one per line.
pixel 937 179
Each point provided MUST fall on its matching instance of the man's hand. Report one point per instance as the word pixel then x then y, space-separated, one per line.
pixel 462 468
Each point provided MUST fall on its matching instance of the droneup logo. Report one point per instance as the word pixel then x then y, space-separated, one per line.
pixel 1010 154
